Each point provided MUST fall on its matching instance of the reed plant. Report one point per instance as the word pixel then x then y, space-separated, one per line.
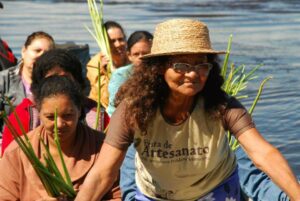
pixel 99 33
pixel 53 181
pixel 98 112
pixel 236 80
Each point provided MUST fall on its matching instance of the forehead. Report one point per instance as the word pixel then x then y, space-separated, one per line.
pixel 115 32
pixel 60 101
pixel 141 45
pixel 189 58
pixel 41 41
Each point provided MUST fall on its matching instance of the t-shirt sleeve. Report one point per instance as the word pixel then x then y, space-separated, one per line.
pixel 119 134
pixel 236 118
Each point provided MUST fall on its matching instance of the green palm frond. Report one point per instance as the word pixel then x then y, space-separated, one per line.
pixel 236 80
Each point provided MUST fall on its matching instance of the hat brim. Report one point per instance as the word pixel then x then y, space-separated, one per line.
pixel 147 56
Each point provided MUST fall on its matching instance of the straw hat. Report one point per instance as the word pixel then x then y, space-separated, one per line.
pixel 181 36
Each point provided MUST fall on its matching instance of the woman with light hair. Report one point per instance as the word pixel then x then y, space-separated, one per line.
pixel 176 113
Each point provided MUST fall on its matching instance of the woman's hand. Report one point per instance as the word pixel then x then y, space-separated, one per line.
pixel 103 63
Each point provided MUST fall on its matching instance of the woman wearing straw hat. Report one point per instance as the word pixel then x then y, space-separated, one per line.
pixel 176 113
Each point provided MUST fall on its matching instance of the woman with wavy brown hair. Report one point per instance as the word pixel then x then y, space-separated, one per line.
pixel 176 113
pixel 151 78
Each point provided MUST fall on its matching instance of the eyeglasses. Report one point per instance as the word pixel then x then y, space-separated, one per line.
pixel 202 69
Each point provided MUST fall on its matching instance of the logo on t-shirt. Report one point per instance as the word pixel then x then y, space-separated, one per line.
pixel 166 152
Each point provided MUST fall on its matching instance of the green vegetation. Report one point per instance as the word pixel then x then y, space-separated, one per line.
pixel 101 37
pixel 236 79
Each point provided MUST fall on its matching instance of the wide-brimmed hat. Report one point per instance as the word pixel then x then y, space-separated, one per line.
pixel 181 36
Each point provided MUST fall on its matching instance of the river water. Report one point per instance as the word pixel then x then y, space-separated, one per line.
pixel 264 32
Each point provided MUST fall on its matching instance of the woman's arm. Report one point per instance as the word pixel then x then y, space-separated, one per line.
pixel 102 175
pixel 255 183
pixel 267 158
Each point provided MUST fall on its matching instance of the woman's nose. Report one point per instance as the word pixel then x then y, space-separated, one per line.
pixel 117 43
pixel 192 74
pixel 140 55
pixel 60 122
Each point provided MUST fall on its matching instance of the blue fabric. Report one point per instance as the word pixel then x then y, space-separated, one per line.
pixel 118 77
pixel 127 179
pixel 227 190
pixel 255 183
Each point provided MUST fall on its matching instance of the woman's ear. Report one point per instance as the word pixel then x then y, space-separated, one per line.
pixel 129 56
pixel 23 51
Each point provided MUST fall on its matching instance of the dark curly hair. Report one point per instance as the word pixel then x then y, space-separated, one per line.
pixel 146 90
pixel 52 59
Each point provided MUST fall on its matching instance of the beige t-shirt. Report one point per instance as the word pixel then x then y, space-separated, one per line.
pixel 186 161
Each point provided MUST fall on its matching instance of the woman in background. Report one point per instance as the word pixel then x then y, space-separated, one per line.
pixel 117 41
pixel 15 81
pixel 138 44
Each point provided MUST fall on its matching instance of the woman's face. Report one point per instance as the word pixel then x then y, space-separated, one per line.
pixel 187 74
pixel 33 51
pixel 67 115
pixel 138 50
pixel 117 41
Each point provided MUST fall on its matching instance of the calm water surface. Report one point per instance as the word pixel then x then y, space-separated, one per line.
pixel 264 32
